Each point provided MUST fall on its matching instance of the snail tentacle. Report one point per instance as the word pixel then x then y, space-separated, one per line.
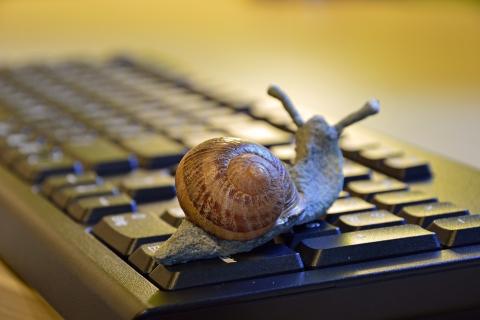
pixel 371 107
pixel 278 93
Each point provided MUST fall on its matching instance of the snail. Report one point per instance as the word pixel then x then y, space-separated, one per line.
pixel 237 195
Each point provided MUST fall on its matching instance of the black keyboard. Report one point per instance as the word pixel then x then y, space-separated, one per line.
pixel 88 152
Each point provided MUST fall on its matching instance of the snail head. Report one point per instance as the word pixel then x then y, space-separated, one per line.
pixel 317 168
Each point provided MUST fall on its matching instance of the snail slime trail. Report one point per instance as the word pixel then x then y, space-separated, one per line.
pixel 237 195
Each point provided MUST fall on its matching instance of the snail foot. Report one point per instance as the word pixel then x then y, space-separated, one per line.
pixel 190 242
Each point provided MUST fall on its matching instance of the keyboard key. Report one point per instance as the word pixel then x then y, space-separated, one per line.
pixel 65 196
pixel 201 136
pixel 91 210
pixel 173 170
pixel 266 260
pixel 63 135
pixel 375 157
pixel 233 100
pixel 367 189
pixel 163 123
pixel 282 121
pixel 5 126
pixel 15 139
pixel 180 100
pixel 424 214
pixel 365 245
pixel 260 132
pixel 368 220
pixel 158 208
pixel 52 184
pixel 102 156
pixel 407 168
pixel 203 109
pixel 149 188
pixel 308 230
pixel 24 150
pixel 395 201
pixel 121 133
pixel 184 131
pixel 154 151
pixel 148 115
pixel 351 147
pixel 143 258
pixel 457 231
pixel 353 172
pixel 173 216
pixel 346 206
pixel 113 121
pixel 225 121
pixel 264 107
pixel 37 168
pixel 126 232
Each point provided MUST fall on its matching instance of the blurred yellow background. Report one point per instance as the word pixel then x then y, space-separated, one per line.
pixel 420 58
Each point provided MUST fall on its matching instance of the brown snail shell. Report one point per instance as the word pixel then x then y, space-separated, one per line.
pixel 234 189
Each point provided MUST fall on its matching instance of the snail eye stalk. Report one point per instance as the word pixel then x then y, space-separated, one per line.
pixel 370 108
pixel 278 93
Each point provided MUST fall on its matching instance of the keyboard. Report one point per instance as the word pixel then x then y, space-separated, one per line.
pixel 89 150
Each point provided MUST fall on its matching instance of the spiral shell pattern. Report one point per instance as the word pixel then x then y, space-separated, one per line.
pixel 234 189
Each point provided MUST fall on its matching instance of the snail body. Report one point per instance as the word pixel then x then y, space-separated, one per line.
pixel 237 195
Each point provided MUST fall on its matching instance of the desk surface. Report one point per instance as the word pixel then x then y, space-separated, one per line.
pixel 18 301
pixel 419 58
